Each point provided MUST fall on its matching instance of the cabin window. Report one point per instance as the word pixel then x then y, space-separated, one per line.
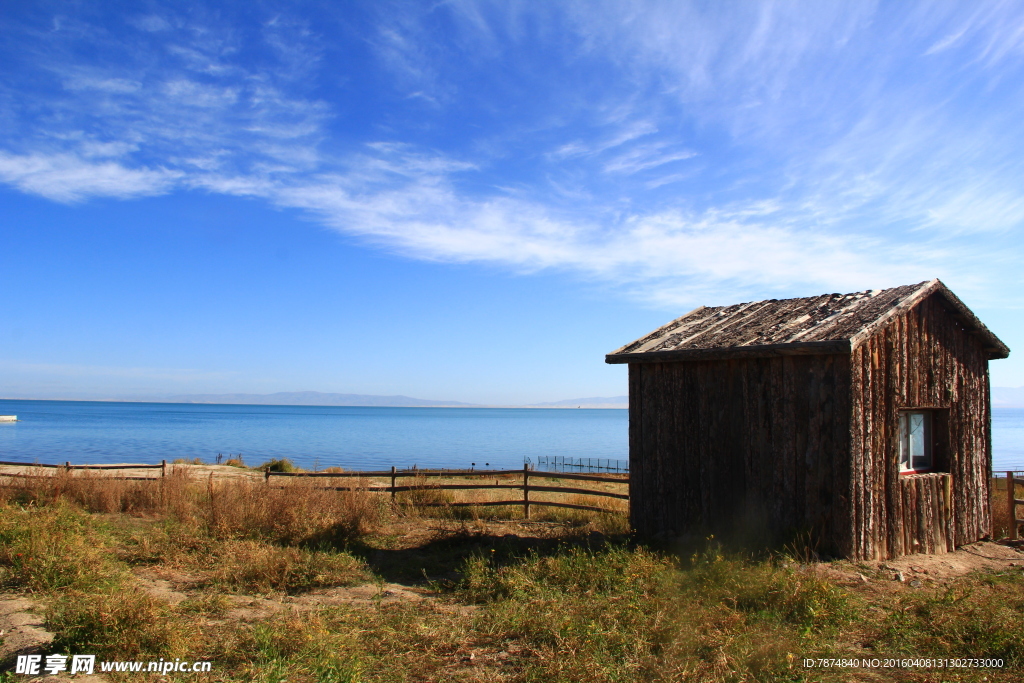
pixel 915 441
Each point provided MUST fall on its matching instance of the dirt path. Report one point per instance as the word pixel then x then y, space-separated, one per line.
pixel 21 626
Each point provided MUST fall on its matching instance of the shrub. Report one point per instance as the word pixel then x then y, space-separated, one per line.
pixel 278 465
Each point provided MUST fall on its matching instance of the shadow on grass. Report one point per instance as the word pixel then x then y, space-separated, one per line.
pixel 440 558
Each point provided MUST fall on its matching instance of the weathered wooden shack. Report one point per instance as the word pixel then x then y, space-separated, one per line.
pixel 857 422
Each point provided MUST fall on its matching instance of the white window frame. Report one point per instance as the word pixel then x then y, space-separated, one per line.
pixel 923 441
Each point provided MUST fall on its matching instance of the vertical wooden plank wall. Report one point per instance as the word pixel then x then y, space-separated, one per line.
pixel 785 444
pixel 923 359
pixel 744 445
pixel 926 515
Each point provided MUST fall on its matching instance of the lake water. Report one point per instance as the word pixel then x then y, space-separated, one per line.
pixel 353 438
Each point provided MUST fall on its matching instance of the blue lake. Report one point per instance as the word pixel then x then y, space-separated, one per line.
pixel 311 436
pixel 349 437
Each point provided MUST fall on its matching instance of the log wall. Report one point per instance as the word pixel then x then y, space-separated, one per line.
pixel 756 446
pixel 923 359
pixel 785 445
pixel 927 513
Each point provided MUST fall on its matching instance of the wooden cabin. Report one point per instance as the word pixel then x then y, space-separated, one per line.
pixel 859 423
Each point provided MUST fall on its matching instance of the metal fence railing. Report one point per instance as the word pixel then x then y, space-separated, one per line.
pixel 562 463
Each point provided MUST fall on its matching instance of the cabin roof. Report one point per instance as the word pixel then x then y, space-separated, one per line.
pixel 829 323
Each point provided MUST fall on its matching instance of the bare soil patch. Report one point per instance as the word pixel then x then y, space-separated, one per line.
pixel 21 627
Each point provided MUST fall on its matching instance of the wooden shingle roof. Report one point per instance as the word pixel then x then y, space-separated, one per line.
pixel 830 323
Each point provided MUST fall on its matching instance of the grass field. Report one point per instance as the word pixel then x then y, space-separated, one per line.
pixel 297 584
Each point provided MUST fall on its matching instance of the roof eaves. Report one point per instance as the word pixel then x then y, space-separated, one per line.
pixel 719 353
pixel 659 332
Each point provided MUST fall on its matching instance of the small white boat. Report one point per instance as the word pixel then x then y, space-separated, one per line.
pixel 8 418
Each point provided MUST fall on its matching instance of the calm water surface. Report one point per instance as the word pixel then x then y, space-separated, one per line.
pixel 322 436
pixel 354 438
pixel 1007 439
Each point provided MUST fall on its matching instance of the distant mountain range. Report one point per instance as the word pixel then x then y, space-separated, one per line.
pixel 1002 397
pixel 591 402
pixel 315 398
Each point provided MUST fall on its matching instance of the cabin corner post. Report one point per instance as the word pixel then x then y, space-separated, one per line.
pixel 844 473
pixel 987 475
pixel 636 478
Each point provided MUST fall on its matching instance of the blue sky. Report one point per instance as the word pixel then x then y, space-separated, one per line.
pixel 476 201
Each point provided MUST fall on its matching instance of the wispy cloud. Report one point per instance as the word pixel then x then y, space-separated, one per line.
pixel 70 178
pixel 644 157
pixel 673 149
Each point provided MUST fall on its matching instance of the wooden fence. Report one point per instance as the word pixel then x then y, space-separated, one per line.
pixel 525 486
pixel 1012 501
pixel 68 467
pixel 395 475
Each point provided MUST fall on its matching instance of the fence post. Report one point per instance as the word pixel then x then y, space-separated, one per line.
pixel 67 465
pixel 266 475
pixel 1010 496
pixel 526 492
pixel 392 483
pixel 163 469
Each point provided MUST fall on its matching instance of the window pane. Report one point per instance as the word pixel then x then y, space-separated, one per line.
pixel 904 451
pixel 915 441
pixel 916 435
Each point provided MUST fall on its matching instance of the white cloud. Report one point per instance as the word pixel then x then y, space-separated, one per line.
pixel 816 163
pixel 68 178
pixel 108 85
pixel 644 157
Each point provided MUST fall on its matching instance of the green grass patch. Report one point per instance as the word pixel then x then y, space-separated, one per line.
pixel 978 616
pixel 553 602
pixel 256 567
pixel 125 623
pixel 53 548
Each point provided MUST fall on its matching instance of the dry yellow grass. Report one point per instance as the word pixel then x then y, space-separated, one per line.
pixel 1000 510
pixel 223 508
pixel 548 602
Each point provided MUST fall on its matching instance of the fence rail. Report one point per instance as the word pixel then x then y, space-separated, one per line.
pixel 525 486
pixel 562 463
pixel 395 474
pixel 68 467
